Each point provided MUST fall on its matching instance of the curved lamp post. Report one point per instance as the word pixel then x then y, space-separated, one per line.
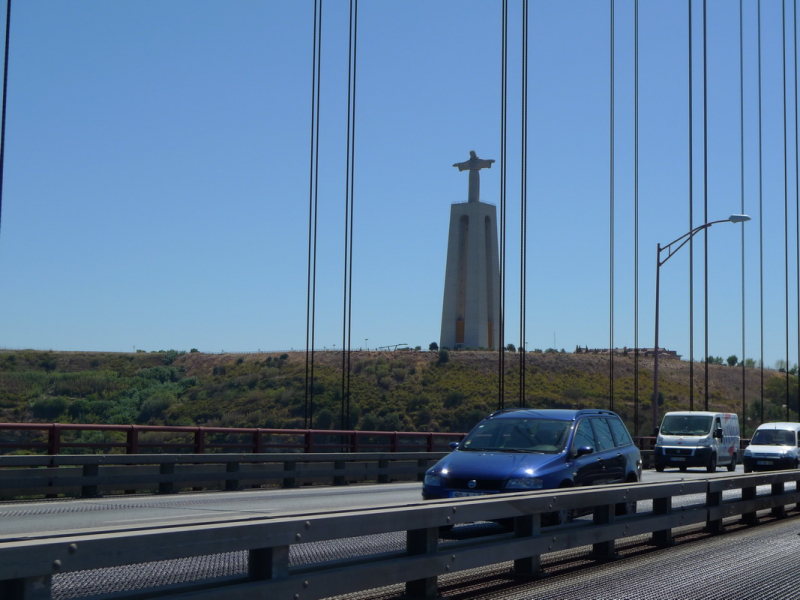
pixel 678 244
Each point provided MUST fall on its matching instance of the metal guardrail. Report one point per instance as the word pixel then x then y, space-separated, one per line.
pixel 90 476
pixel 133 439
pixel 27 565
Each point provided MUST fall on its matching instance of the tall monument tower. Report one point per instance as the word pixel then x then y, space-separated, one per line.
pixel 471 308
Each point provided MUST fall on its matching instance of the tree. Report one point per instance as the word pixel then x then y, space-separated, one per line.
pixel 444 356
pixel 511 348
pixel 732 360
pixel 433 347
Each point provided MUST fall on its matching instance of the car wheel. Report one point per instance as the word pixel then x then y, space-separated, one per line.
pixel 748 469
pixel 712 464
pixel 732 466
pixel 682 468
pixel 660 468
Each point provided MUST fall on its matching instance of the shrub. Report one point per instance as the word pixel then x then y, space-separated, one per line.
pixel 48 408
pixel 171 355
pixel 453 399
pixel 444 356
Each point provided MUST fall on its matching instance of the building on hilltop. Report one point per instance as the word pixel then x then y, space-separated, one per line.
pixel 471 306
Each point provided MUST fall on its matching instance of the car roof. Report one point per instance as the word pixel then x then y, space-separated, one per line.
pixel 559 414
pixel 793 426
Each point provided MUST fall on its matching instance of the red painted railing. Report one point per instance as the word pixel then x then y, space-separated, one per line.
pixel 58 438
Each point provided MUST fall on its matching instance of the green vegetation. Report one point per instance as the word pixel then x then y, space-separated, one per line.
pixel 410 390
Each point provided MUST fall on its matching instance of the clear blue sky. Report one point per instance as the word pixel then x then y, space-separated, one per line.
pixel 157 172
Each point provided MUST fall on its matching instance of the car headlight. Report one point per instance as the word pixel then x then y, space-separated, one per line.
pixel 747 452
pixel 431 479
pixel 524 483
pixel 704 442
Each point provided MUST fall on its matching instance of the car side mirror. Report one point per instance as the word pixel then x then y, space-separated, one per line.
pixel 718 433
pixel 584 450
pixel 453 445
pixel 655 432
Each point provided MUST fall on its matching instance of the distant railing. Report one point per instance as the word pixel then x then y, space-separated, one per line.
pixel 65 438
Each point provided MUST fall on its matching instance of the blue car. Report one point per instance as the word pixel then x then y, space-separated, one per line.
pixel 520 450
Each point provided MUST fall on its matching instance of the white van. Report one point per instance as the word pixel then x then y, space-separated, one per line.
pixel 773 446
pixel 697 439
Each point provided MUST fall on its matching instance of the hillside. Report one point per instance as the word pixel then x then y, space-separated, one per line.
pixel 401 390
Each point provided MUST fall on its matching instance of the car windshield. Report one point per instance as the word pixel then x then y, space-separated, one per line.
pixel 547 436
pixel 773 437
pixel 686 425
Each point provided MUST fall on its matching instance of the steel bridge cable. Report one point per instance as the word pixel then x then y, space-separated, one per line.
pixel 705 198
pixel 313 196
pixel 3 118
pixel 611 212
pixel 797 191
pixel 636 220
pixel 741 206
pixel 347 304
pixel 785 205
pixel 760 216
pixel 691 215
pixel 503 142
pixel 523 203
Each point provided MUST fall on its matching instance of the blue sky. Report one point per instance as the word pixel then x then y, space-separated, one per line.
pixel 157 172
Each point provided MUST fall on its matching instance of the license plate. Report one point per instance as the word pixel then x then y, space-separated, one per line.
pixel 465 494
pixel 764 462
pixel 678 459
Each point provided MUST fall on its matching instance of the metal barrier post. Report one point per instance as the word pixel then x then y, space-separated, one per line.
pixel 663 506
pixel 268 563
pixel 713 500
pixel 132 445
pixel 528 526
pixel 422 465
pixel 199 441
pixel 750 493
pixel 166 487
pixel 338 469
pixel 778 512
pixel 383 470
pixel 90 490
pixel 30 588
pixel 231 485
pixel 54 440
pixel 422 541
pixel 289 479
pixel 602 516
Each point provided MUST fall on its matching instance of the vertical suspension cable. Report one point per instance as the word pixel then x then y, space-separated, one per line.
pixel 3 118
pixel 797 192
pixel 523 229
pixel 348 215
pixel 308 410
pixel 636 219
pixel 705 196
pixel 503 137
pixel 611 214
pixel 691 215
pixel 785 205
pixel 760 217
pixel 741 208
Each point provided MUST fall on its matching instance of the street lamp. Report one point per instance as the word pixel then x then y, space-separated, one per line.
pixel 681 242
